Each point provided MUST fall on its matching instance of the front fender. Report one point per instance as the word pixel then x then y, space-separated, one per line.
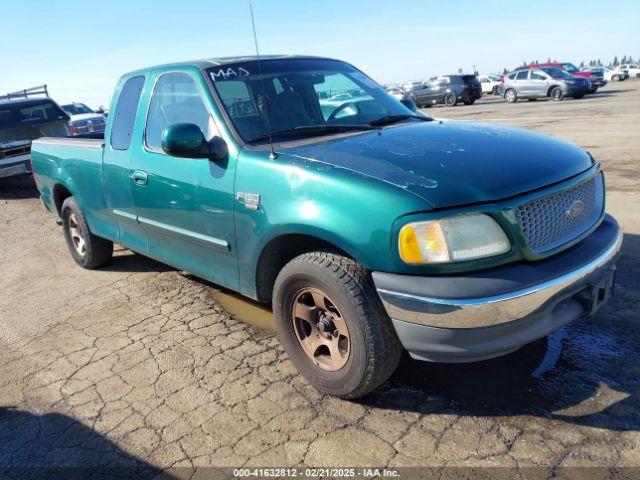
pixel 352 212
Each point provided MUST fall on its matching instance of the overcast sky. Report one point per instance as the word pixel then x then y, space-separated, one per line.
pixel 81 48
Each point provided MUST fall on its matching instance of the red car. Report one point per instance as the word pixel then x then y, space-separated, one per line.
pixel 597 79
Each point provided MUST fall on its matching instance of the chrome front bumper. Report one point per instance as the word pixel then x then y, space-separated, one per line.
pixel 530 295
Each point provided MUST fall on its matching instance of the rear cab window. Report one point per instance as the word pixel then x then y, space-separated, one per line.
pixel 125 115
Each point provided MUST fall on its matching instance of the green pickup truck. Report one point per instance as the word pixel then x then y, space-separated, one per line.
pixel 371 229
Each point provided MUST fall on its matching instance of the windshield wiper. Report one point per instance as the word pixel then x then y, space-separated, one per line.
pixel 311 130
pixel 389 119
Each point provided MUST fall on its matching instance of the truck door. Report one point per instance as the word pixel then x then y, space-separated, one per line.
pixel 116 164
pixel 185 205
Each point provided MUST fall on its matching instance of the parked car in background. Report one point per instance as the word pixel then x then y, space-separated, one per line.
pixel 490 84
pixel 596 78
pixel 367 233
pixel 632 68
pixel 447 90
pixel 24 120
pixel 84 122
pixel 396 92
pixel 610 74
pixel 532 84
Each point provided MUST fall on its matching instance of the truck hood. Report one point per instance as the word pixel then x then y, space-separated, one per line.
pixel 452 163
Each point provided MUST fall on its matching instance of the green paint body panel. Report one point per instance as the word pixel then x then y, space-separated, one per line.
pixel 353 190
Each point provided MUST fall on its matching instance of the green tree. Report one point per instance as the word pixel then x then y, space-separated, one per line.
pixel 581 64
pixel 599 63
pixel 548 59
pixel 505 71
pixel 615 61
pixel 624 60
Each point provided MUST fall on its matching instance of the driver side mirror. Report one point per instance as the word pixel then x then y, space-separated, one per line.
pixel 410 104
pixel 186 140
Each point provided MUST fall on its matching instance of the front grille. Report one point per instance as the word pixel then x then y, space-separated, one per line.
pixel 550 222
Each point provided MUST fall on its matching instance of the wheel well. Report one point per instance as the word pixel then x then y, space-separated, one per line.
pixel 550 89
pixel 60 194
pixel 278 253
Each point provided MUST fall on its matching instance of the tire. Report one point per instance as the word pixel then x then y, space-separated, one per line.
pixel 469 101
pixel 593 90
pixel 556 94
pixel 495 90
pixel 87 250
pixel 346 292
pixel 450 99
pixel 511 96
pixel 615 78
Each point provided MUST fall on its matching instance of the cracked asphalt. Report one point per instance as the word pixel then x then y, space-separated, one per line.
pixel 137 365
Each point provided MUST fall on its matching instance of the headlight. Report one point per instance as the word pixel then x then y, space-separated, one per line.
pixel 453 239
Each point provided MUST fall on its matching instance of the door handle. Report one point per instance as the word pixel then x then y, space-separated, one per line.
pixel 139 177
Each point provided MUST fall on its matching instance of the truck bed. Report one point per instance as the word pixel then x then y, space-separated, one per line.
pixel 72 165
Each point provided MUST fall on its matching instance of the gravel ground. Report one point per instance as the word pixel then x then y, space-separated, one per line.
pixel 138 366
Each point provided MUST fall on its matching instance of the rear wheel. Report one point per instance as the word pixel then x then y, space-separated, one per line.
pixel 469 101
pixel 615 78
pixel 556 94
pixel 332 324
pixel 87 250
pixel 495 90
pixel 578 95
pixel 451 99
pixel 511 96
pixel 593 90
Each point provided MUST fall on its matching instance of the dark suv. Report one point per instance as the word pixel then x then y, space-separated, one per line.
pixel 448 90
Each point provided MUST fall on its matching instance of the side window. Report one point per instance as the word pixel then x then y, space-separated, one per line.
pixel 237 99
pixel 125 114
pixel 537 76
pixel 176 99
pixel 522 75
pixel 512 76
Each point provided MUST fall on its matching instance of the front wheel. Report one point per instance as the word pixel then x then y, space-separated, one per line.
pixel 615 78
pixel 333 326
pixel 451 99
pixel 556 94
pixel 511 96
pixel 87 250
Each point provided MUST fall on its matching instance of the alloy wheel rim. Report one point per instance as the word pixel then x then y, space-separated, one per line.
pixel 77 237
pixel 320 329
pixel 510 95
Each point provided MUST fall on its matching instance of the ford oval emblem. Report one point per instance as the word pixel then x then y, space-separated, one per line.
pixel 574 210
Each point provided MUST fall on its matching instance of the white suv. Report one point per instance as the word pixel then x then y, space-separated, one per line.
pixel 632 68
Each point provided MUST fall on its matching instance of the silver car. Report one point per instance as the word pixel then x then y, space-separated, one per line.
pixel 543 82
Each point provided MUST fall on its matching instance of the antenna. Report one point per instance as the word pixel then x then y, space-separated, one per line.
pixel 272 155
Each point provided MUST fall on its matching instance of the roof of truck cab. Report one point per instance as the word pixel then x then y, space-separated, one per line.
pixel 222 61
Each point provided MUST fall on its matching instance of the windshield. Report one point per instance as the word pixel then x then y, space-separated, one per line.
pixel 556 72
pixel 294 93
pixel 18 114
pixel 76 109
pixel 570 67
